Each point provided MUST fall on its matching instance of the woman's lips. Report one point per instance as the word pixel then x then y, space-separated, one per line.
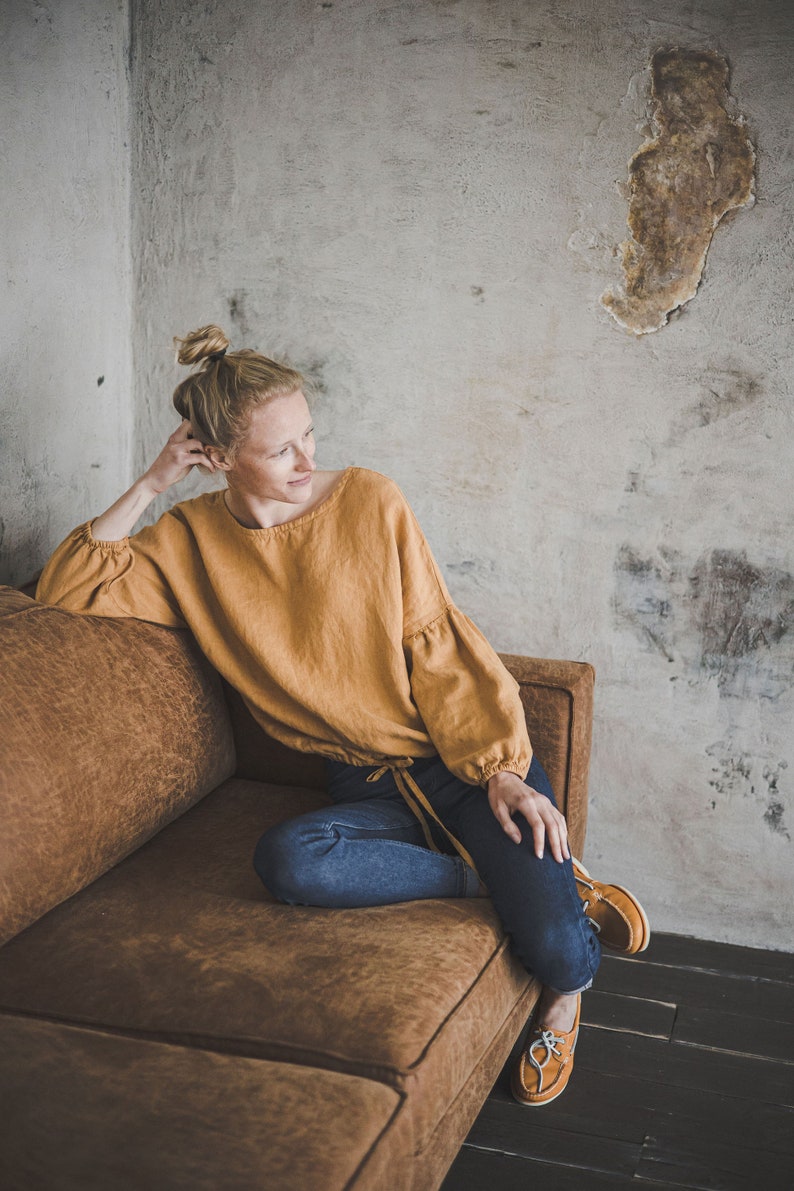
pixel 306 480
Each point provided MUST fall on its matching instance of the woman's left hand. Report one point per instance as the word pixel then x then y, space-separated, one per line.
pixel 508 795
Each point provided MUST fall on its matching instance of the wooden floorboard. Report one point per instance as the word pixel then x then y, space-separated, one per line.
pixel 736 1033
pixel 684 1079
pixel 680 951
pixel 770 999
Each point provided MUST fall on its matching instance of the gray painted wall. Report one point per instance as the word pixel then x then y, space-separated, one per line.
pixel 419 202
pixel 65 308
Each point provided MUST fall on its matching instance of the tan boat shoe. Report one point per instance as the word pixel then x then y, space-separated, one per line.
pixel 544 1068
pixel 614 912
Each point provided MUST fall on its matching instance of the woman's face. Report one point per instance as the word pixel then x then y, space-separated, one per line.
pixel 275 460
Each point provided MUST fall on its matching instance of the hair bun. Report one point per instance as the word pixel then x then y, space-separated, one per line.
pixel 198 345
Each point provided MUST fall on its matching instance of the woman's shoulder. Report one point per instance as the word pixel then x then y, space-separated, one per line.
pixel 191 515
pixel 375 484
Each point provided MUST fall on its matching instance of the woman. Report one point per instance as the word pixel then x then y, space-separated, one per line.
pixel 316 596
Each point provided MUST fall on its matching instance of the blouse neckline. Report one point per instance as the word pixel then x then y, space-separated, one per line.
pixel 295 522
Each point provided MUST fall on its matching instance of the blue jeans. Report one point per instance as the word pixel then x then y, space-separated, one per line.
pixel 368 849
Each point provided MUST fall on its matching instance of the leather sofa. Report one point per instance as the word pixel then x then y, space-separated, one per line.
pixel 164 1023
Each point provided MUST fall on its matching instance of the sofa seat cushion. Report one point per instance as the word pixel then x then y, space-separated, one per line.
pixel 180 942
pixel 89 1111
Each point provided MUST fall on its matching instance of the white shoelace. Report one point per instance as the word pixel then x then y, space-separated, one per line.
pixel 549 1041
pixel 586 905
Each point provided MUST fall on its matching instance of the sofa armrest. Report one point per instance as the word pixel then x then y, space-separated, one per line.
pixel 558 703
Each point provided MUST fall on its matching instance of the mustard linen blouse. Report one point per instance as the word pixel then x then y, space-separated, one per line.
pixel 336 628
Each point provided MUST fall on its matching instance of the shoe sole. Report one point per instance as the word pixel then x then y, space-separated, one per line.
pixel 646 926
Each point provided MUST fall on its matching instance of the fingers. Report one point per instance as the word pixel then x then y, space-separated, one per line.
pixel 502 812
pixel 509 795
pixel 186 445
pixel 547 824
pixel 185 430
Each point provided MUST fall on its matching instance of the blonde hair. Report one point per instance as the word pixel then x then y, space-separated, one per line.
pixel 218 399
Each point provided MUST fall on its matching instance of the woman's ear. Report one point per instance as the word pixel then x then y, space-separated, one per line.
pixel 218 458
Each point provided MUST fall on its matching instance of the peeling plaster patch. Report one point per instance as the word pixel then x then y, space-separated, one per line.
pixel 722 617
pixel 698 167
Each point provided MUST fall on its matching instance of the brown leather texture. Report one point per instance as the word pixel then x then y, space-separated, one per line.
pixel 166 1024
pixel 180 943
pixel 558 702
pixel 85 1110
pixel 110 729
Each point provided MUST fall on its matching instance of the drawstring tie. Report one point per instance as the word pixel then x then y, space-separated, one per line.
pixel 417 802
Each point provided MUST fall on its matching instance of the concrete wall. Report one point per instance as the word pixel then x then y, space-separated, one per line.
pixel 418 202
pixel 65 394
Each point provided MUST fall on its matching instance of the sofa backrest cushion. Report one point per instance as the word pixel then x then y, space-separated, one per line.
pixel 109 729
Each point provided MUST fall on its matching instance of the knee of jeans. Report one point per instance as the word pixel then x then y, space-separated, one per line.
pixel 283 863
pixel 558 955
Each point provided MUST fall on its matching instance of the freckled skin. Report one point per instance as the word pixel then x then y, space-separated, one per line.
pixel 699 166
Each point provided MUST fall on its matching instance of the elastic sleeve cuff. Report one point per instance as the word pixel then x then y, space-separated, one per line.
pixel 520 768
pixel 87 538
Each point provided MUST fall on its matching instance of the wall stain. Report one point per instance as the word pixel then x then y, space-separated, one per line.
pixel 699 166
pixel 476 571
pixel 736 775
pixel 237 303
pixel 773 815
pixel 732 774
pixel 726 391
pixel 644 599
pixel 722 618
pixel 739 609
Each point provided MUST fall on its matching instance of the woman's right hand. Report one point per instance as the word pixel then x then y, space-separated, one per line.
pixel 180 454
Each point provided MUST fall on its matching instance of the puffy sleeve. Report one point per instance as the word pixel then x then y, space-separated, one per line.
pixel 109 578
pixel 468 701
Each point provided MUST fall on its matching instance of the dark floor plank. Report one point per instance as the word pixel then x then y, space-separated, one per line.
pixel 680 951
pixel 475 1170
pixel 632 1015
pixel 676 1150
pixel 771 1000
pixel 597 1104
pixel 735 1032
pixel 685 1066
pixel 524 1132
pixel 623 1107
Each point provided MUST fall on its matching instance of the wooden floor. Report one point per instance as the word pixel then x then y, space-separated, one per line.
pixel 684 1078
